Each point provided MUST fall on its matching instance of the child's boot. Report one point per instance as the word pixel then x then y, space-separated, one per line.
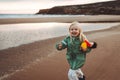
pixel 82 78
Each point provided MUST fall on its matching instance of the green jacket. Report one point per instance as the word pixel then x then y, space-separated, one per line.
pixel 75 56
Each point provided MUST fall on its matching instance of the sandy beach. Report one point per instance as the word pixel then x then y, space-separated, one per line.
pixel 41 61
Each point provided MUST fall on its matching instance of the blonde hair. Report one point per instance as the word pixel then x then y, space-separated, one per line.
pixel 81 35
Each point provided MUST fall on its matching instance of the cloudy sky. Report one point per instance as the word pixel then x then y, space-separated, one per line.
pixel 32 6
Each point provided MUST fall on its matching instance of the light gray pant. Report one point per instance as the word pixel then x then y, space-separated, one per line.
pixel 74 74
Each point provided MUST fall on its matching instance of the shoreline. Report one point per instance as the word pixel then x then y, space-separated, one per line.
pixel 18 34
pixel 63 19
pixel 37 60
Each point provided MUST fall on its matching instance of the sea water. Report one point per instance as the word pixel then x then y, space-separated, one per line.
pixel 2 16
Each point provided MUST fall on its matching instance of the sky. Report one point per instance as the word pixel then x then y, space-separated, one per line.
pixel 33 6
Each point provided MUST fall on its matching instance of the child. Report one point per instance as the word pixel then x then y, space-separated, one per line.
pixel 76 54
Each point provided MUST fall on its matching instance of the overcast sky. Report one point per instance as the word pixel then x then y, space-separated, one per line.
pixel 32 6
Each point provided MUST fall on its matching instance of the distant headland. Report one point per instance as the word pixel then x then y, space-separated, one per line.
pixel 101 8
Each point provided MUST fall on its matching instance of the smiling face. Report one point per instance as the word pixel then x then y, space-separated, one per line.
pixel 74 31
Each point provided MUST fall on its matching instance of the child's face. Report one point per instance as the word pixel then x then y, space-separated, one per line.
pixel 74 31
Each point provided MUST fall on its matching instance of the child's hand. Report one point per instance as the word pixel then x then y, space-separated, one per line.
pixel 60 46
pixel 93 45
pixel 83 49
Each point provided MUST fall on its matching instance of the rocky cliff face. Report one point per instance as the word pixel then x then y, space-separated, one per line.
pixel 109 8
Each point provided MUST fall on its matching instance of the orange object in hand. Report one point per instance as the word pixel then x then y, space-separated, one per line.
pixel 84 45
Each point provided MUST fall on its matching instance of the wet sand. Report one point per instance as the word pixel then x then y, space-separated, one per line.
pixel 41 61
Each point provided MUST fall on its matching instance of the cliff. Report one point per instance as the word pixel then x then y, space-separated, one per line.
pixel 107 8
